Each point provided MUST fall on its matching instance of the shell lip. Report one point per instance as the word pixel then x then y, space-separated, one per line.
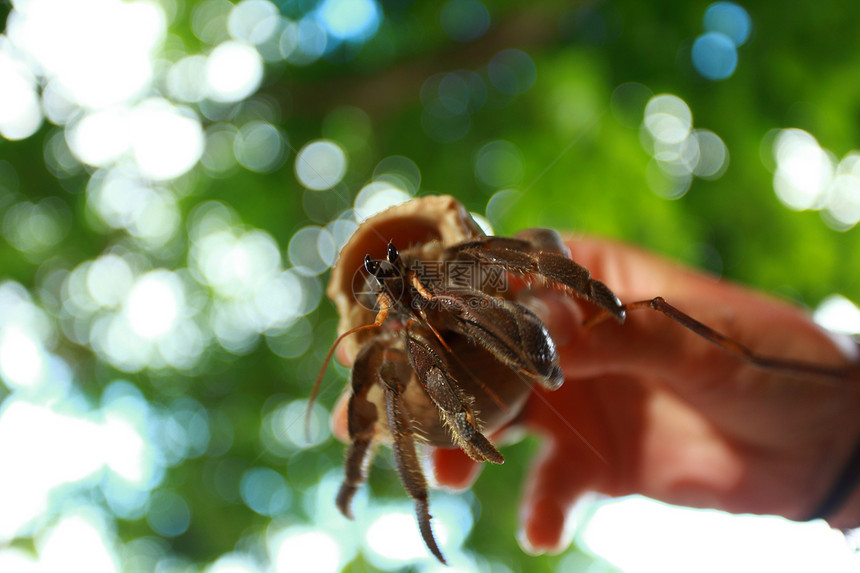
pixel 431 218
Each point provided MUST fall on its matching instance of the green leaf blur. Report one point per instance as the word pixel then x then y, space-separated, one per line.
pixel 533 115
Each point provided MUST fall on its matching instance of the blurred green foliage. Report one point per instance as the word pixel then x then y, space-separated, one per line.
pixel 584 170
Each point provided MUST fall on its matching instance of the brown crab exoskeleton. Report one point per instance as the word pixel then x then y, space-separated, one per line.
pixel 446 343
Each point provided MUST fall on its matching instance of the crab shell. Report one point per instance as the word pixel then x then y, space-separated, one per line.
pixel 424 226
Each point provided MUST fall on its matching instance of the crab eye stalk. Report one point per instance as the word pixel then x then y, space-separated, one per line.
pixel 370 265
pixel 393 255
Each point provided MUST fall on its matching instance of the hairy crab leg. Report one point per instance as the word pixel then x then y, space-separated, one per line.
pixel 385 304
pixel 521 257
pixel 454 406
pixel 405 456
pixel 416 283
pixel 361 422
pixel 510 331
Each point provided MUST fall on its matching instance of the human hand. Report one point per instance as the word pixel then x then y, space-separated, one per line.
pixel 649 407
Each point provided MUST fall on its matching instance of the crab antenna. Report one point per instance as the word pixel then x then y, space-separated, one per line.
pixel 384 304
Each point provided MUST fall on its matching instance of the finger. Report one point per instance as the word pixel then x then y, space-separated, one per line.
pixel 454 469
pixel 588 427
pixel 554 485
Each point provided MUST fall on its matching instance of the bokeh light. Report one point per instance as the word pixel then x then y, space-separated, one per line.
pixel 465 20
pixel 668 119
pixel 803 170
pixel 78 540
pixel 377 196
pixel 679 152
pixel 265 491
pixel 253 21
pixel 168 513
pixel 653 531
pixel 838 314
pixel 209 20
pixel 714 56
pixel 399 170
pixel 178 177
pixel 305 42
pixel 260 146
pixel 186 80
pixel 20 115
pixel 843 197
pixel 729 19
pixel 305 549
pixel 67 42
pixel 234 71
pixel 349 19
pixel 320 165
pixel 34 228
pixel 145 211
pixel 512 72
pixel 810 177
pixel 166 141
pixel 727 27
pixel 498 164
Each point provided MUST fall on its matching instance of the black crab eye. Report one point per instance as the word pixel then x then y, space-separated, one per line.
pixel 370 265
pixel 393 255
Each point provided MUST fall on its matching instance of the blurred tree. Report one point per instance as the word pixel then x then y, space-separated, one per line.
pixel 167 222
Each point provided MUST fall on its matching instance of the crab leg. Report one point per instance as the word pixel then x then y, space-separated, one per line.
pixel 455 408
pixel 361 421
pixel 513 333
pixel 523 258
pixel 405 456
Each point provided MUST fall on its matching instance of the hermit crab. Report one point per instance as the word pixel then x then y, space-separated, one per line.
pixel 441 351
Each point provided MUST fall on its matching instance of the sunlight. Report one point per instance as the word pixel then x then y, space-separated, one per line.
pixel 166 141
pixel 68 41
pixel 77 542
pixel 394 537
pixel 100 137
pixel 234 562
pixel 20 115
pixel 234 71
pixel 304 549
pixel 838 314
pixel 50 449
pixel 803 169
pixel 153 304
pixel 21 363
pixel 639 535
